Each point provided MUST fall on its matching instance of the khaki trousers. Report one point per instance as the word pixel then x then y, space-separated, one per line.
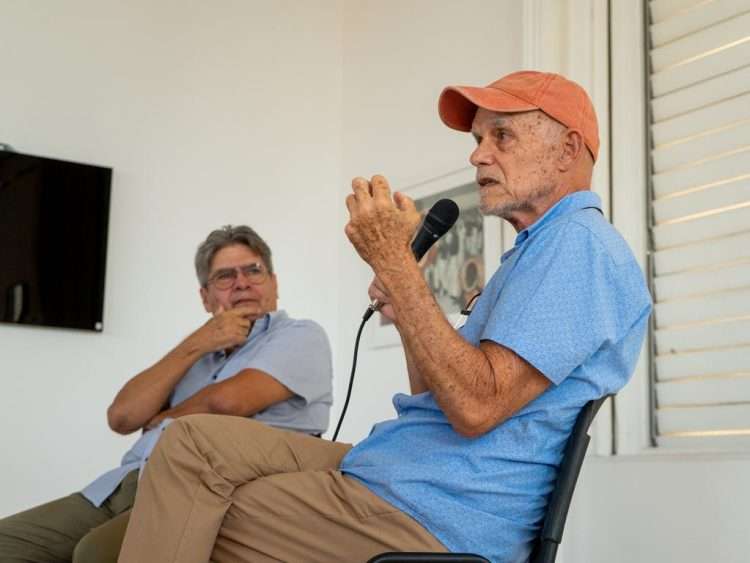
pixel 69 529
pixel 229 489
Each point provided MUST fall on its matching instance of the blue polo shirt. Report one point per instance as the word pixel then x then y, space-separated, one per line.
pixel 295 352
pixel 571 300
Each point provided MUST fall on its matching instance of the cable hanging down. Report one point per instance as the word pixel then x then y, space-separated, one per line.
pixel 368 313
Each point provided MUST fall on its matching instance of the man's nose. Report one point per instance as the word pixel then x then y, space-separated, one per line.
pixel 241 281
pixel 480 155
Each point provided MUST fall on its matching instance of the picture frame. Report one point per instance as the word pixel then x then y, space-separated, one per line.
pixel 463 260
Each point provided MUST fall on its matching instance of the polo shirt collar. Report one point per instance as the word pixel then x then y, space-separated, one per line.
pixel 569 204
pixel 265 323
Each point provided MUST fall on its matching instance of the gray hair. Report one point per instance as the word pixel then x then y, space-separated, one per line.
pixel 227 236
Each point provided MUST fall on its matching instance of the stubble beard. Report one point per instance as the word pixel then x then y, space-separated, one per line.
pixel 508 210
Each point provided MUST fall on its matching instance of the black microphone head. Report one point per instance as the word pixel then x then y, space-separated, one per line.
pixel 440 218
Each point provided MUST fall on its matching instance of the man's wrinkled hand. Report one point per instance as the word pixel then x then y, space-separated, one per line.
pixel 380 226
pixel 377 292
pixel 227 329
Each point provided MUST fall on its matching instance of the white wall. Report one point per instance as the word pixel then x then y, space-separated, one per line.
pixel 210 113
pixel 660 508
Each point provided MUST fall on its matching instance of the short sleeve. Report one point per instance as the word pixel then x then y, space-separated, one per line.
pixel 298 356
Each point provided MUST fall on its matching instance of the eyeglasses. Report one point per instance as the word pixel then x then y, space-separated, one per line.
pixel 225 278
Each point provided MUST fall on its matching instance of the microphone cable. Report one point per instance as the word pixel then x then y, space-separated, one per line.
pixel 366 317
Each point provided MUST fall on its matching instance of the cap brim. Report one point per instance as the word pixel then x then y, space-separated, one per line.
pixel 458 104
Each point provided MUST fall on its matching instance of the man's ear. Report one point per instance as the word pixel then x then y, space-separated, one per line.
pixel 572 148
pixel 204 299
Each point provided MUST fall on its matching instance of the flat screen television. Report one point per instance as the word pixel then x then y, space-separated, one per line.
pixel 53 241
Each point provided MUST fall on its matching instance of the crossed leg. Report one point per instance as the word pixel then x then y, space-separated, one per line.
pixel 257 493
pixel 320 516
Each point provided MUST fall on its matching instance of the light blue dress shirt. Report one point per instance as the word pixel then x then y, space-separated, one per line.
pixel 295 352
pixel 571 300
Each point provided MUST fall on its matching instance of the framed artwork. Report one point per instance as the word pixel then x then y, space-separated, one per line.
pixel 460 263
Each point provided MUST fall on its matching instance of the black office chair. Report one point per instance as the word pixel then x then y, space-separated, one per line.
pixel 545 547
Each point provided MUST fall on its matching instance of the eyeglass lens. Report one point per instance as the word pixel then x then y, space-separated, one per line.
pixel 226 277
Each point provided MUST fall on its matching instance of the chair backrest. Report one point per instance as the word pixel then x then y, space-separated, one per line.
pixel 545 548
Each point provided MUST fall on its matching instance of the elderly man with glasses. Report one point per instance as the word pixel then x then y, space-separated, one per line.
pixel 247 360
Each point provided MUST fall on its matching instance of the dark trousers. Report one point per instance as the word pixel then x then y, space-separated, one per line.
pixel 69 529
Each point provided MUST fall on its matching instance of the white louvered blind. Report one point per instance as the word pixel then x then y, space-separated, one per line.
pixel 700 216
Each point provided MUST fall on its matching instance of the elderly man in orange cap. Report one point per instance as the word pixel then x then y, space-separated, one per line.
pixel 472 455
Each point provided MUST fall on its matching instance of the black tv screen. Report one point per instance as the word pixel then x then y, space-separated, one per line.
pixel 53 241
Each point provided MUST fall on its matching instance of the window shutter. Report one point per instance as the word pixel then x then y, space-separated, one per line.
pixel 699 58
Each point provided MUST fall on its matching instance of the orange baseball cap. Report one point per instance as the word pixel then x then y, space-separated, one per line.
pixel 561 99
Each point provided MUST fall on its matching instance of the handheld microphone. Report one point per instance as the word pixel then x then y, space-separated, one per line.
pixel 438 221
